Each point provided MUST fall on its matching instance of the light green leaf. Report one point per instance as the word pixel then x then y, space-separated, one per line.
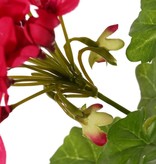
pixel 128 143
pixel 146 76
pixel 143 32
pixel 76 149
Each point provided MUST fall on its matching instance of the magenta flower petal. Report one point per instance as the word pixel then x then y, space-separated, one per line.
pixel 16 9
pixel 8 36
pixel 22 55
pixel 4 93
pixel 4 113
pixel 2 152
pixel 99 139
pixel 36 31
pixel 95 107
pixel 3 78
pixel 65 6
pixel 3 70
pixel 45 19
pixel 58 7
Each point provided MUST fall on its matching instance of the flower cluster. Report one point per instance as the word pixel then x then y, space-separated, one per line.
pixel 25 38
pixel 20 39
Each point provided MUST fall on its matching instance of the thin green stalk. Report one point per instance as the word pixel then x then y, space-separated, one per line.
pixel 36 69
pixel 30 97
pixel 82 66
pixel 68 106
pixel 30 84
pixel 31 78
pixel 112 103
pixel 68 49
pixel 61 56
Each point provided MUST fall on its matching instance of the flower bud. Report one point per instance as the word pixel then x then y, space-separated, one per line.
pixel 91 124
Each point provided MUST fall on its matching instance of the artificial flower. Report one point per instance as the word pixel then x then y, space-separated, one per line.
pixel 2 152
pixel 107 43
pixel 91 124
pixel 3 91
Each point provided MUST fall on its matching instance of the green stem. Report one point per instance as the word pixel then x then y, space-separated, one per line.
pixel 68 106
pixel 82 66
pixel 60 56
pixel 30 97
pixel 68 49
pixel 112 103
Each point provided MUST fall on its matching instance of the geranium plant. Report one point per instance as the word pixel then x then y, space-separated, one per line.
pixel 28 40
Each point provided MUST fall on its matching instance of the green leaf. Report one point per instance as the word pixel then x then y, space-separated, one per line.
pixel 143 32
pixel 76 149
pixel 146 76
pixel 129 143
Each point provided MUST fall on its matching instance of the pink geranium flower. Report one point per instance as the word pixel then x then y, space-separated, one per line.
pixel 2 152
pixel 15 48
pixel 91 124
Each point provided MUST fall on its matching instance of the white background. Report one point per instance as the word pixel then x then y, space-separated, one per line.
pixel 34 130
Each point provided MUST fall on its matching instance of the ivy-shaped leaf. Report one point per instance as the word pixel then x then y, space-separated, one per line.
pixel 76 149
pixel 146 76
pixel 143 32
pixel 129 142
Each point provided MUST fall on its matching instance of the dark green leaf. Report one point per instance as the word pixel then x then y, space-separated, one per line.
pixel 76 149
pixel 128 143
pixel 143 33
pixel 146 76
pixel 150 4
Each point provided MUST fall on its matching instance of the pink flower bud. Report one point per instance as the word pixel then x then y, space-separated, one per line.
pixel 99 139
pixel 112 28
pixel 91 124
